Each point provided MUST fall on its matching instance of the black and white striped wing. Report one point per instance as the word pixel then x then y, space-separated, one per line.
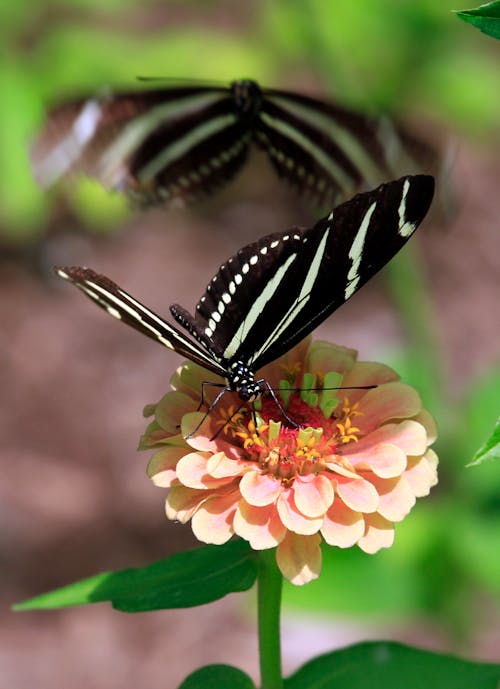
pixel 155 146
pixel 260 304
pixel 119 304
pixel 328 152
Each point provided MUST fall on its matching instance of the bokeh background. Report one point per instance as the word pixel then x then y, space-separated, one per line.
pixel 74 496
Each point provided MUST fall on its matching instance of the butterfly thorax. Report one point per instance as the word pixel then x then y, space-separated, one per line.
pixel 241 379
pixel 247 97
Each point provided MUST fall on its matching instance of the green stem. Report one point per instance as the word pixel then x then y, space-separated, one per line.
pixel 269 606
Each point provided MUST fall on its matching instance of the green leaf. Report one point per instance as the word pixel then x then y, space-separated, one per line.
pixel 490 449
pixel 183 580
pixel 486 18
pixel 392 666
pixel 217 677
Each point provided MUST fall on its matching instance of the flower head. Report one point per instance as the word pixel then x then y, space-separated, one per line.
pixel 353 467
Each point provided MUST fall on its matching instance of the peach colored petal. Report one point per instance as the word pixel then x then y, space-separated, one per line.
pixel 220 465
pixel 421 473
pixel 358 494
pixel 396 497
pixel 299 558
pixel 182 502
pixel 292 518
pixel 366 373
pixel 384 460
pixel 313 495
pixel 155 435
pixel 324 357
pixel 197 429
pixel 260 526
pixel 386 403
pixel 336 466
pixel 259 489
pixel 213 520
pixel 161 467
pixel 341 526
pixel 171 408
pixel 379 533
pixel 188 379
pixel 192 472
pixel 427 421
pixel 408 435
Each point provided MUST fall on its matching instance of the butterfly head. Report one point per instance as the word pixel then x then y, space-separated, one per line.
pixel 241 379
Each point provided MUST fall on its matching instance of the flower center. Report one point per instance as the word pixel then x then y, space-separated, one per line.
pixel 284 452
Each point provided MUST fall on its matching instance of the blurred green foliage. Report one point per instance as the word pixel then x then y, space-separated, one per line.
pixel 399 55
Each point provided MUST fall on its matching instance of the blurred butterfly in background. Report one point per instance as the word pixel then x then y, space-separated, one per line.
pixel 273 292
pixel 180 143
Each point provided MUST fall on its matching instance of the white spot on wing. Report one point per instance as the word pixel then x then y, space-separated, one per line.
pixel 405 228
pixel 356 252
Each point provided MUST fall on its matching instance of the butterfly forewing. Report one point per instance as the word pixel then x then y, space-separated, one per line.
pixel 122 306
pixel 340 254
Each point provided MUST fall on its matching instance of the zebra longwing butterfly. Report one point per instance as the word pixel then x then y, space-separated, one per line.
pixel 180 143
pixel 275 291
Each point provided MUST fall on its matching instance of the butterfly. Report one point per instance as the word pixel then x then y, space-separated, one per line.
pixel 276 290
pixel 179 143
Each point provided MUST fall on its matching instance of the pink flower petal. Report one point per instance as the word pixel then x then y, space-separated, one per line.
pixel 292 517
pixel 192 472
pixel 408 435
pixel 313 495
pixel 182 502
pixel 171 408
pixel 379 533
pixel 260 526
pixel 421 473
pixel 299 558
pixel 357 494
pixel 213 520
pixel 396 497
pixel 384 460
pixel 324 357
pixel 260 489
pixel 386 403
pixel 220 465
pixel 341 526
pixel 161 467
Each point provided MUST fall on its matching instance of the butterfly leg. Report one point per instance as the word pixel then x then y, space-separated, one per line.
pixel 266 384
pixel 202 397
pixel 216 401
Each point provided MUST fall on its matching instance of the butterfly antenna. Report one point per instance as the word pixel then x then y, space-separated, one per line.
pixel 342 387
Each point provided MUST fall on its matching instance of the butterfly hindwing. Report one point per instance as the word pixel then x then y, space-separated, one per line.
pixel 241 288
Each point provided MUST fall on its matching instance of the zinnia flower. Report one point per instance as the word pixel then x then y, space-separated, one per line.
pixel 352 468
